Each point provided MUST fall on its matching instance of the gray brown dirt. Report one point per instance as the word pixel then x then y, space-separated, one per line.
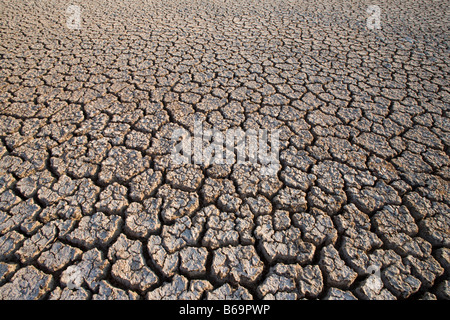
pixel 92 208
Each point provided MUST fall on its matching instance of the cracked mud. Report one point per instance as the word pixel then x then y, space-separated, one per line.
pixel 91 206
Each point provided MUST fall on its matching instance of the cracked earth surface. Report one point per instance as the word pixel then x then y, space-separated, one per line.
pixel 87 187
